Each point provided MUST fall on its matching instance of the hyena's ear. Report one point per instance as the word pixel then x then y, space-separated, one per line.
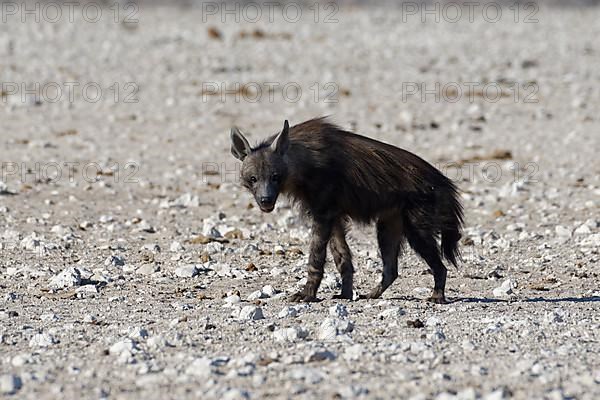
pixel 240 148
pixel 282 142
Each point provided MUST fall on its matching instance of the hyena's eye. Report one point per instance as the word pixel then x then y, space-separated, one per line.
pixel 253 179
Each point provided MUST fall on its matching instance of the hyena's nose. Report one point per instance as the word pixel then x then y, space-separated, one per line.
pixel 266 201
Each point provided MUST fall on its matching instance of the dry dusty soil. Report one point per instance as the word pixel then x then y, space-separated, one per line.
pixel 134 266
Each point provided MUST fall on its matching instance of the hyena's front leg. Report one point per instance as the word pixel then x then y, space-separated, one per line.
pixel 342 258
pixel 316 261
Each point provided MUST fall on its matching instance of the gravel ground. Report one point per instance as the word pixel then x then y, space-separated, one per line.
pixel 133 265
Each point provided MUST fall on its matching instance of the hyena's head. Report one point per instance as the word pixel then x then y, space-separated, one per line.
pixel 264 168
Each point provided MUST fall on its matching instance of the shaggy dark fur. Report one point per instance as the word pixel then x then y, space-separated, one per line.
pixel 335 175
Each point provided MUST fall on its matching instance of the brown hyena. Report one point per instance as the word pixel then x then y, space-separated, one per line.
pixel 336 176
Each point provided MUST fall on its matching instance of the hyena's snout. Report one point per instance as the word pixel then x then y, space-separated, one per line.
pixel 266 198
pixel 266 203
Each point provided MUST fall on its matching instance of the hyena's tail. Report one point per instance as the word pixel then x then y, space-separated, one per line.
pixel 450 239
pixel 452 226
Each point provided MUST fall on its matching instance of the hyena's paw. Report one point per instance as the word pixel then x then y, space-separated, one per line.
pixel 302 297
pixel 438 298
pixel 343 296
pixel 373 294
pixel 369 296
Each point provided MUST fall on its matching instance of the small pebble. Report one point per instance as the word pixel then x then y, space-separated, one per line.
pixel 251 313
pixel 10 384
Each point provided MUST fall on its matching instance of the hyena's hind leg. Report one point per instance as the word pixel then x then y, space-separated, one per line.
pixel 390 236
pixel 342 258
pixel 425 245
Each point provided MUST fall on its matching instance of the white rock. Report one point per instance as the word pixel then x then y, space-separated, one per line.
pixel 309 375
pixel 249 249
pixel 105 219
pixel 176 247
pixel 115 261
pixel 269 291
pixel 330 328
pixel 233 299
pixel 287 312
pixel 562 231
pixel 556 394
pixel 468 345
pixel 496 395
pixel 583 230
pixel 69 277
pixel 291 334
pixel 354 352
pixel 21 359
pixel 144 226
pixel 90 319
pixel 200 367
pixel 506 289
pixel 157 342
pixel 235 394
pixel 137 333
pixel 124 350
pixel 42 340
pixel 554 316
pixel 209 228
pixel 9 384
pixel 593 223
pixel 354 391
pixel 422 291
pixel 258 294
pixel 60 230
pixel 153 247
pixel 213 248
pixel 186 271
pixel 251 313
pixel 437 335
pixel 433 321
pixel 466 394
pixel 125 345
pixel 183 201
pixel 49 317
pixel 417 347
pixel 129 268
pixel 494 327
pixel 4 188
pixel 394 312
pixel 224 270
pixel 444 395
pixel 338 310
pixel 86 290
pixel 331 281
pixel 32 243
pixel 592 241
pixel 147 269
